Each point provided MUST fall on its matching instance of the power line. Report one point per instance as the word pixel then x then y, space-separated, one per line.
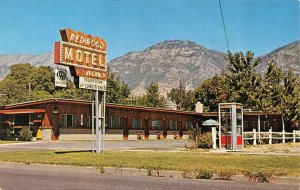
pixel 224 25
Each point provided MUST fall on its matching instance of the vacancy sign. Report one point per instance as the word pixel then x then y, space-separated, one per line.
pixel 87 54
pixel 93 84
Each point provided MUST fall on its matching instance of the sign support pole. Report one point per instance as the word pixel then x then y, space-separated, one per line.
pixel 97 122
pixel 93 127
pixel 104 113
pixel 100 121
pixel 89 77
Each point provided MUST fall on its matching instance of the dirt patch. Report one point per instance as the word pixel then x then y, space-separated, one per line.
pixel 287 148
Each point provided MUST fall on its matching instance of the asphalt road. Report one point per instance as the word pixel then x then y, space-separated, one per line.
pixel 20 176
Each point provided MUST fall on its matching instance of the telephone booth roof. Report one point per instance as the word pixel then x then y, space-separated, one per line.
pixel 228 105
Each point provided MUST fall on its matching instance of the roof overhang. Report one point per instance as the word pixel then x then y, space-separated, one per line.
pixel 21 111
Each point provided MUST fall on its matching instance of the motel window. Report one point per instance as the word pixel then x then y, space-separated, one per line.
pixel 173 125
pixel 265 125
pixel 246 125
pixel 156 124
pixel 188 125
pixel 255 125
pixel 113 122
pixel 68 120
pixel 136 123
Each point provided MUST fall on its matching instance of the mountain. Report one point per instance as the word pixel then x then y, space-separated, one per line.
pixel 167 62
pixel 286 57
pixel 37 60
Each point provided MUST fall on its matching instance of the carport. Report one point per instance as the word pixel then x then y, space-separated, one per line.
pixel 16 119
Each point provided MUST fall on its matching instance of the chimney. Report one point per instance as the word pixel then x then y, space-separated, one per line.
pixel 199 107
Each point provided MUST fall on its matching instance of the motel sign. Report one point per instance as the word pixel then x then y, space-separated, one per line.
pixel 86 54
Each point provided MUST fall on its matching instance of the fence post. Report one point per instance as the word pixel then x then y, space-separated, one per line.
pixel 214 137
pixel 254 136
pixel 294 136
pixel 270 136
pixel 283 136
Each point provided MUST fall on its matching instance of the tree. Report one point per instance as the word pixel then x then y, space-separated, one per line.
pixel 271 91
pixel 70 92
pixel 117 91
pixel 212 92
pixel 244 82
pixel 188 99
pixel 290 97
pixel 153 99
pixel 12 92
pixel 280 93
pixel 26 82
pixel 42 79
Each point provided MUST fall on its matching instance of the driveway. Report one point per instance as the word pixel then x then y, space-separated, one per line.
pixel 165 145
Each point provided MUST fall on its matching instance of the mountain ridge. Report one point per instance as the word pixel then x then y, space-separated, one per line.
pixel 166 63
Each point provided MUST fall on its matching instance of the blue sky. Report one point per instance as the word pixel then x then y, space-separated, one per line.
pixel 32 26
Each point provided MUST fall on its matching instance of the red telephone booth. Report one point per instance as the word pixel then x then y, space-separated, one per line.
pixel 231 126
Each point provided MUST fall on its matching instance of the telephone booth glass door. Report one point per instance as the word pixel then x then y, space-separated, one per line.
pixel 231 126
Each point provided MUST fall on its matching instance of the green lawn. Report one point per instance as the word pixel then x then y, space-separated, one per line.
pixel 236 163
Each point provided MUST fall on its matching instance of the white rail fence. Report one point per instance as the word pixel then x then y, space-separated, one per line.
pixel 271 137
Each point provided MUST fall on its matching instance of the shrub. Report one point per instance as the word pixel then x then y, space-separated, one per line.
pixel 149 172
pixel 101 169
pixel 262 176
pixel 225 175
pixel 204 174
pixel 3 134
pixel 188 174
pixel 199 139
pixel 154 172
pixel 250 175
pixel 25 134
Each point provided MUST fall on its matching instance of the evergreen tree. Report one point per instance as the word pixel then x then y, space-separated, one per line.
pixel 280 93
pixel 244 82
pixel 290 97
pixel 153 99
pixel 117 91
pixel 272 88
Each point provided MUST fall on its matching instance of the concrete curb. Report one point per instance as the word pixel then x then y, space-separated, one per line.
pixel 19 143
pixel 286 180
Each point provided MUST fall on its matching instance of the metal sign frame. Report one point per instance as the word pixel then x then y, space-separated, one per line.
pixel 88 57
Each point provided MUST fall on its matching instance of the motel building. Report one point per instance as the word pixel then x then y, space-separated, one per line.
pixel 63 119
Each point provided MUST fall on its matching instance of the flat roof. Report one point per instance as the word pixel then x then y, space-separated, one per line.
pixel 83 102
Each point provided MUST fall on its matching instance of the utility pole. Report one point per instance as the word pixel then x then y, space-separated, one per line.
pixel 29 87
pixel 180 95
